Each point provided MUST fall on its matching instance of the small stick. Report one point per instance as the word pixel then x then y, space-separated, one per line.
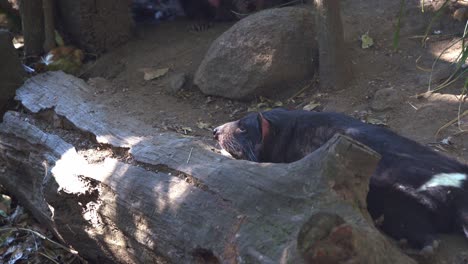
pixel 415 108
pixel 190 155
pixel 300 91
pixel 40 236
pixel 48 257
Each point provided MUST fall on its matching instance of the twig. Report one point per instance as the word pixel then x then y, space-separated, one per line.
pixel 420 67
pixel 451 122
pixel 437 59
pixel 432 36
pixel 40 236
pixel 460 108
pixel 299 92
pixel 434 18
pixel 415 108
pixel 49 258
pixel 190 155
pixel 461 58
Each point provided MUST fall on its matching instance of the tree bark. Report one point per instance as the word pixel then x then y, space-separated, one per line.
pixel 11 71
pixel 33 27
pixel 334 66
pixel 49 25
pixel 175 200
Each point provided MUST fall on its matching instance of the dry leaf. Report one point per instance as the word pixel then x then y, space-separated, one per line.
pixel 203 125
pixel 264 99
pixel 367 41
pixel 311 106
pixel 252 109
pixel 278 104
pixel 152 73
pixel 262 105
pixel 376 121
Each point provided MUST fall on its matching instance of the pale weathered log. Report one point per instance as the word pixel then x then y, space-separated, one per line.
pixel 245 212
pixel 230 211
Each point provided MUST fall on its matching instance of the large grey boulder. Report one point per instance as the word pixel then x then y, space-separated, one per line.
pixel 262 54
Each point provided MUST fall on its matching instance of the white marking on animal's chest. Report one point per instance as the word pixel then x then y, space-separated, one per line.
pixel 444 179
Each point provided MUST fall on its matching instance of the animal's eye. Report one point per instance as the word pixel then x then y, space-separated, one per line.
pixel 241 130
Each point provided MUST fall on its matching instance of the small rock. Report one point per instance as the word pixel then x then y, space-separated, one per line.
pixel 176 83
pixel 429 249
pixel 385 99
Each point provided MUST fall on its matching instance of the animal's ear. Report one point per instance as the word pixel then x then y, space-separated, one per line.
pixel 214 3
pixel 264 125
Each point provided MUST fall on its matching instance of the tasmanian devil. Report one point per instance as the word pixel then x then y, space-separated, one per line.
pixel 418 191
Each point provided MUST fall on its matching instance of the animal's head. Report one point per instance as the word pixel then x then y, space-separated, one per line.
pixel 244 138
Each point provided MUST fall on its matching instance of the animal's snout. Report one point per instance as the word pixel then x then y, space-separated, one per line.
pixel 222 130
pixel 216 132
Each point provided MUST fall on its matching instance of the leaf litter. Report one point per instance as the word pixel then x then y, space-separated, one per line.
pixel 22 240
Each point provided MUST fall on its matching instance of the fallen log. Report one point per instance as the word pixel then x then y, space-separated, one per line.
pixel 116 212
pixel 175 200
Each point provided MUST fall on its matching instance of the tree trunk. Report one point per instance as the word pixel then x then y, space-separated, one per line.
pixel 11 71
pixel 334 67
pixel 33 27
pixel 49 25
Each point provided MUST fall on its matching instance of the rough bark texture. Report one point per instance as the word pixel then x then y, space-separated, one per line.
pixel 96 25
pixel 334 67
pixel 11 71
pixel 235 211
pixel 33 27
pixel 49 25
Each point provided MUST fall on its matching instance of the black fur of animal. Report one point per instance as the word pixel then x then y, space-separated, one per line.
pixel 418 191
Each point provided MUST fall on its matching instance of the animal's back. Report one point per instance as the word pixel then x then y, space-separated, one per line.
pixel 399 154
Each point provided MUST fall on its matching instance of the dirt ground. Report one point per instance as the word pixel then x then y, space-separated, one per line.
pixel 171 45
